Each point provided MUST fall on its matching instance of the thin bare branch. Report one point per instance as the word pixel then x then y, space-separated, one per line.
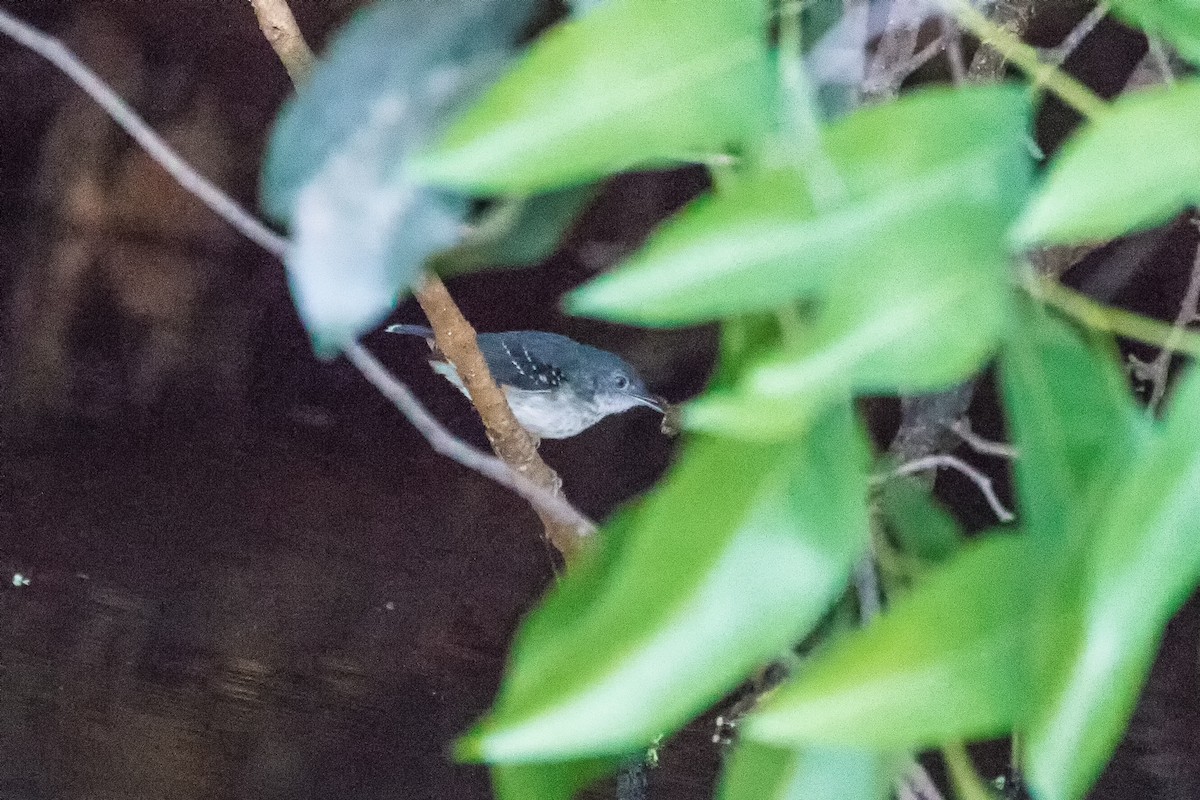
pixel 954 54
pixel 203 189
pixel 1058 54
pixel 279 27
pixel 983 482
pixel 1156 372
pixel 979 444
pixel 886 70
pixel 547 503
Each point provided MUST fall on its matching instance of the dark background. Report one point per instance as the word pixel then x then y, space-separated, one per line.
pixel 248 576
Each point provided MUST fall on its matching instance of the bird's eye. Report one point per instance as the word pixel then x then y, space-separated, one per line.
pixel 622 382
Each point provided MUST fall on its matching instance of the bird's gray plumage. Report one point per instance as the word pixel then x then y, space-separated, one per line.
pixel 556 386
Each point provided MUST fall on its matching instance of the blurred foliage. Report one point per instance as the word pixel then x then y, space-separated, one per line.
pixel 877 253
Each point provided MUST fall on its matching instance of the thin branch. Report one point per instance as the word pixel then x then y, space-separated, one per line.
pixel 954 54
pixel 203 189
pixel 983 482
pixel 1025 57
pixel 279 27
pixel 512 443
pixel 886 71
pixel 547 503
pixel 981 445
pixel 1155 372
pixel 1058 54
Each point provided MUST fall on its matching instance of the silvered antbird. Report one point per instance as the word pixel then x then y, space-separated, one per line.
pixel 555 386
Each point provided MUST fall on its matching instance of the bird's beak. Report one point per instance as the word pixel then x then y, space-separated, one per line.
pixel 651 401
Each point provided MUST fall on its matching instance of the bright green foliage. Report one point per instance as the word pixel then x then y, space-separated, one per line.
pixel 336 169
pixel 1176 21
pixel 949 662
pixel 1115 175
pixel 683 612
pixel 1141 563
pixel 631 83
pixel 871 255
pixel 930 185
pixel 761 772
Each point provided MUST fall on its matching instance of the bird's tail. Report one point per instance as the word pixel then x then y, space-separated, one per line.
pixel 410 330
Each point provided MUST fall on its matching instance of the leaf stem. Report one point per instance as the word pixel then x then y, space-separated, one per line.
pixel 1026 58
pixel 1117 321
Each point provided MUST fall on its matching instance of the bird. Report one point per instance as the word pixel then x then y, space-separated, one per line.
pixel 556 387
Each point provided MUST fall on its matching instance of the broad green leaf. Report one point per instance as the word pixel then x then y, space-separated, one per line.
pixel 760 772
pixel 336 167
pixel 932 182
pixel 633 82
pixel 1177 21
pixel 1154 138
pixel 707 586
pixel 1142 563
pixel 1073 420
pixel 517 232
pixel 922 528
pixel 947 663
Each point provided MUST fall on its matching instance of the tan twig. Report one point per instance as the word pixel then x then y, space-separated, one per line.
pixel 455 337
pixel 279 26
pixel 1058 54
pixel 886 71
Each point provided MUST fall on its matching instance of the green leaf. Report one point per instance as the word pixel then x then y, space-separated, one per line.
pixel 631 83
pixel 1177 21
pixel 932 182
pixel 922 528
pixel 517 232
pixel 759 772
pixel 947 663
pixel 706 587
pixel 1154 136
pixel 1142 563
pixel 1073 420
pixel 336 167
pixel 549 781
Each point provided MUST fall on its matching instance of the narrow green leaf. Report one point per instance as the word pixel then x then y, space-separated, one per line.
pixel 760 772
pixel 1177 21
pixel 632 82
pixel 1073 420
pixel 1143 562
pixel 336 170
pixel 1154 136
pixel 932 182
pixel 947 663
pixel 707 587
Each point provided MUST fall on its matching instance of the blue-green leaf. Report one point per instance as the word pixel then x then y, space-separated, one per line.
pixel 760 772
pixel 1133 168
pixel 337 163
pixel 706 587
pixel 632 82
